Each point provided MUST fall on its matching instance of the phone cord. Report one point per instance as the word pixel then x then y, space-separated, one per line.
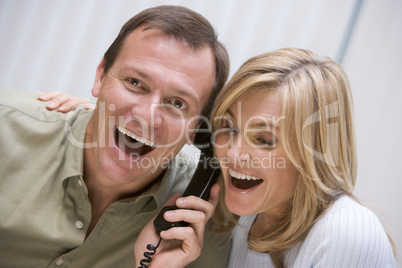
pixel 148 254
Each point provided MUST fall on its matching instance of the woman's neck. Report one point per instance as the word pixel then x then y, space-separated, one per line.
pixel 268 220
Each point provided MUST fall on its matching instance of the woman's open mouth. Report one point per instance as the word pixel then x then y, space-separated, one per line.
pixel 243 181
pixel 130 143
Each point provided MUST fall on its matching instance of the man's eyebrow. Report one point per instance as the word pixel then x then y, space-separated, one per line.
pixel 141 73
pixel 187 94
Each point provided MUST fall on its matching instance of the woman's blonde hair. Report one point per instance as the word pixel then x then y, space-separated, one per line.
pixel 317 133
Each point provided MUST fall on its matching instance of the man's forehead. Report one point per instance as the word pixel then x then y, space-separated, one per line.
pixel 200 66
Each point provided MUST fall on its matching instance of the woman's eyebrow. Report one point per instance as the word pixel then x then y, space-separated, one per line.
pixel 263 124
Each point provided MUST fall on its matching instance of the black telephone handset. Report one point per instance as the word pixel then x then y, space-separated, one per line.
pixel 204 178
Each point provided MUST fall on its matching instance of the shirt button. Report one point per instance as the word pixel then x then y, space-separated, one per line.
pixel 79 224
pixel 59 262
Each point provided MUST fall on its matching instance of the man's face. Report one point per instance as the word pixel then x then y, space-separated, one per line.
pixel 147 102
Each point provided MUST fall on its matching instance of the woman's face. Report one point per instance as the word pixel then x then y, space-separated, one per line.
pixel 258 175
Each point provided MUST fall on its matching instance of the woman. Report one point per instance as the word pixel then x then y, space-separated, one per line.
pixel 285 139
pixel 284 136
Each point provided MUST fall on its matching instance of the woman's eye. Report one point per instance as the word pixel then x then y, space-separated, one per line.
pixel 229 129
pixel 266 143
pixel 178 104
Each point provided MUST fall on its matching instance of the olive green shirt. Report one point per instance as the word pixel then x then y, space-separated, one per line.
pixel 44 206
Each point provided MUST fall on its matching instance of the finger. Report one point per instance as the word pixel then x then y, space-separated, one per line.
pixel 61 99
pixel 172 200
pixel 88 105
pixel 196 203
pixel 73 103
pixel 191 201
pixel 196 219
pixel 57 101
pixel 190 216
pixel 49 95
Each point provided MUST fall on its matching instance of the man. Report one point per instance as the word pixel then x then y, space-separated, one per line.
pixel 77 190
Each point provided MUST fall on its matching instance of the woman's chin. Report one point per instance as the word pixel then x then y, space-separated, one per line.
pixel 239 207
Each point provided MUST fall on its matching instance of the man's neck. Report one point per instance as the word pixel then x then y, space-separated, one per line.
pixel 102 196
pixel 99 195
pixel 103 191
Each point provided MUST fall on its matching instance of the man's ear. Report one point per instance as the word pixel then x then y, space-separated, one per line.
pixel 100 75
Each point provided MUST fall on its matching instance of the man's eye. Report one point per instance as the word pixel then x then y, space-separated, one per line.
pixel 178 104
pixel 134 82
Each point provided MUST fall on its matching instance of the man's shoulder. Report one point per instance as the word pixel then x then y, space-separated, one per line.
pixel 24 118
pixel 15 98
pixel 24 105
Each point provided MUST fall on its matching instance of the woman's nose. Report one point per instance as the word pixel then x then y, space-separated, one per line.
pixel 238 151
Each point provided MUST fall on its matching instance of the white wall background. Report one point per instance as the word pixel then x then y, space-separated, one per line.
pixel 57 44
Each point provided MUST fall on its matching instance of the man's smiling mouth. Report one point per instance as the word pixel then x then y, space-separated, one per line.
pixel 130 143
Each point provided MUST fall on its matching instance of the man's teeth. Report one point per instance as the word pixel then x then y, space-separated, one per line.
pixel 132 135
pixel 241 176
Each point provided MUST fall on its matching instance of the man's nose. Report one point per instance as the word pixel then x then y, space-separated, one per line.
pixel 148 112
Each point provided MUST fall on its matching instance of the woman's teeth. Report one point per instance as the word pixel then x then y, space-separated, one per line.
pixel 241 176
pixel 243 181
pixel 135 137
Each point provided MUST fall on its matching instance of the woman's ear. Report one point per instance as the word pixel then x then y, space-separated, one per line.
pixel 100 75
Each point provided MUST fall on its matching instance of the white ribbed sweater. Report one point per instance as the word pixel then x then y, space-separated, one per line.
pixel 347 235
